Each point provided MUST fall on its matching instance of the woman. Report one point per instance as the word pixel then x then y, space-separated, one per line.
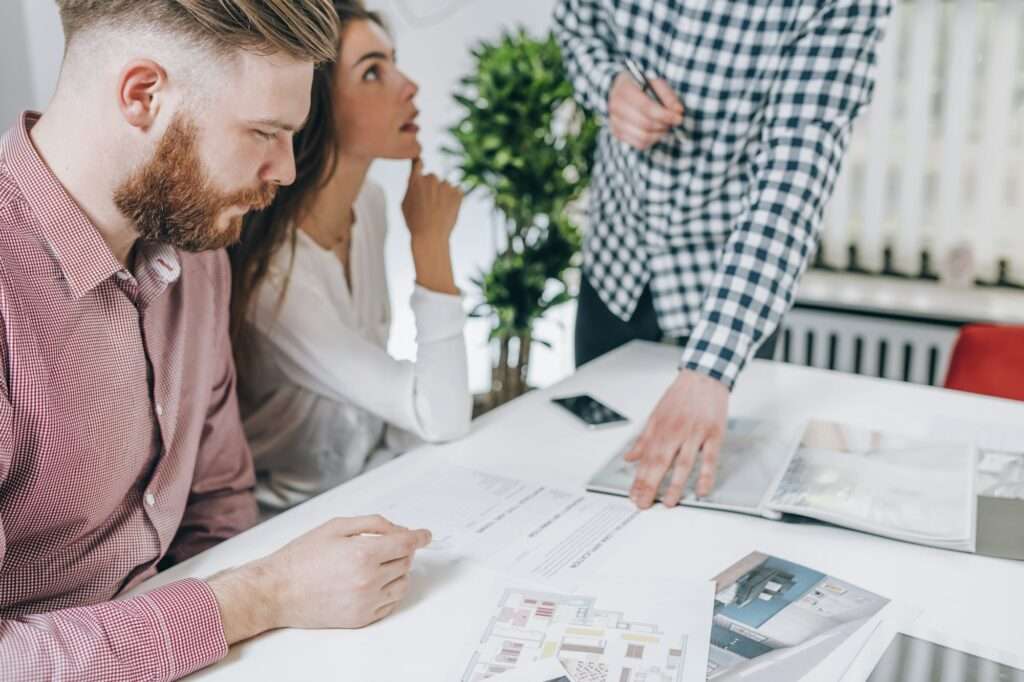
pixel 322 401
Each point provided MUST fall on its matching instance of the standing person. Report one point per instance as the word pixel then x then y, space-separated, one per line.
pixel 121 446
pixel 707 191
pixel 322 400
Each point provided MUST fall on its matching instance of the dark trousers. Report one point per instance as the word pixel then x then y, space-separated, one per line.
pixel 598 330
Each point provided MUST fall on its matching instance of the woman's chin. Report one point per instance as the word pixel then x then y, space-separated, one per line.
pixel 405 152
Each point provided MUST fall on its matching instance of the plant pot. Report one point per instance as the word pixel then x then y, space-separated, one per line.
pixel 509 369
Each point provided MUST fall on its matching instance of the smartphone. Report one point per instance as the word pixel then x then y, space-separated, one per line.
pixel 590 411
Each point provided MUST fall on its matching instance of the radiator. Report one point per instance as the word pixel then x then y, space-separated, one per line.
pixel 904 349
pixel 937 160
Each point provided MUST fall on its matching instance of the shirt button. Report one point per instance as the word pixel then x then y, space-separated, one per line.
pixel 159 410
pixel 123 275
pixel 150 499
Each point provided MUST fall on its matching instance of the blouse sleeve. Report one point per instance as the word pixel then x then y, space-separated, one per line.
pixel 319 351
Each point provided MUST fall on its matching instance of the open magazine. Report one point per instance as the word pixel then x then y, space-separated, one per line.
pixel 911 489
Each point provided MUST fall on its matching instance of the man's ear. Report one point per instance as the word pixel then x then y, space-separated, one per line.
pixel 140 85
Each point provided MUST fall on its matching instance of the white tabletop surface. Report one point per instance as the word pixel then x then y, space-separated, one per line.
pixel 977 598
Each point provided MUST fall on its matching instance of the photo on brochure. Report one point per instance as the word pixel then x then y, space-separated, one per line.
pixel 775 621
pixel 904 487
pixel 910 659
pixel 1001 474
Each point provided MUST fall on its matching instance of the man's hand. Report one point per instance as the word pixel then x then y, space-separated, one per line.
pixel 690 419
pixel 347 573
pixel 638 120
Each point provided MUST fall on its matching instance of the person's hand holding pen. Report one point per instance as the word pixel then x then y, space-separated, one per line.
pixel 642 111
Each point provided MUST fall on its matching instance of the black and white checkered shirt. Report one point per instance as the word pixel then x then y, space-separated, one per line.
pixel 722 216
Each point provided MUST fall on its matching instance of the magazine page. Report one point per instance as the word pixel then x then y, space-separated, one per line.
pixel 777 621
pixel 753 456
pixel 884 483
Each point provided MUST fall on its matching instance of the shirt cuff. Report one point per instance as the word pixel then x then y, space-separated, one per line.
pixel 438 316
pixel 603 76
pixel 186 618
pixel 717 351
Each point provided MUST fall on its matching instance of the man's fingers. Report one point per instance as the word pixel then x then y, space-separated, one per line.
pixel 669 98
pixel 709 465
pixel 650 472
pixel 398 545
pixel 395 590
pixel 361 525
pixel 632 135
pixel 394 569
pixel 383 611
pixel 417 167
pixel 638 101
pixel 638 119
pixel 681 471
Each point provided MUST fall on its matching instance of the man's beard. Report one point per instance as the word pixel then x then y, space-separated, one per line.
pixel 172 199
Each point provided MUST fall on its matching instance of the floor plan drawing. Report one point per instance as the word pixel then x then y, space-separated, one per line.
pixel 592 644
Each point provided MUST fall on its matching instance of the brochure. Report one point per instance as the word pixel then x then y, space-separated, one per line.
pixel 777 621
pixel 906 488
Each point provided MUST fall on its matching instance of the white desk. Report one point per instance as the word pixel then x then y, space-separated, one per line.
pixel 978 598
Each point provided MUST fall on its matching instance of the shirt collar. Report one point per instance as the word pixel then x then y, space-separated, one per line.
pixel 84 258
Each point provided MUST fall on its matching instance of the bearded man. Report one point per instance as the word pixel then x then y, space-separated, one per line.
pixel 120 441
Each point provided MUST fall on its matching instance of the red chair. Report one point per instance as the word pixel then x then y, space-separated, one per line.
pixel 988 359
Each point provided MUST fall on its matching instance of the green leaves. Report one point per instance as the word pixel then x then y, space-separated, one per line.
pixel 523 141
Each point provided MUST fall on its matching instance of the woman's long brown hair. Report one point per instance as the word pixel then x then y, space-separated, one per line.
pixel 264 232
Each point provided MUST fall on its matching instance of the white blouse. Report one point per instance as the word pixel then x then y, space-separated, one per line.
pixel 322 401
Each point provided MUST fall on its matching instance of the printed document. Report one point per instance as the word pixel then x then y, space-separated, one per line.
pixel 525 529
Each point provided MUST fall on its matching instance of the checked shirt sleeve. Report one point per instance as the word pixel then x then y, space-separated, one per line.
pixel 825 77
pixel 583 29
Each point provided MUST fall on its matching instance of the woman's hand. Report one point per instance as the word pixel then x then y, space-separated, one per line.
pixel 431 207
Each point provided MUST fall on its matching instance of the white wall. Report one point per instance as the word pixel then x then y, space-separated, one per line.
pixel 45 42
pixel 15 83
pixel 31 45
pixel 433 38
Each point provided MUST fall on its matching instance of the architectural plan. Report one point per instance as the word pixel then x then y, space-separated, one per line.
pixel 544 670
pixel 775 621
pixel 611 632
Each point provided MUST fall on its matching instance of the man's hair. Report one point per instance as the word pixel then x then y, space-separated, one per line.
pixel 306 30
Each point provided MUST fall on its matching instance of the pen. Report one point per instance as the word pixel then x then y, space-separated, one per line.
pixel 641 80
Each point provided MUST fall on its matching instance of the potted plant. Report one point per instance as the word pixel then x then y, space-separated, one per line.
pixel 523 141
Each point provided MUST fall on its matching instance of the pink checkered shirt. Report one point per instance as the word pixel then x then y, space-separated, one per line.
pixel 120 440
